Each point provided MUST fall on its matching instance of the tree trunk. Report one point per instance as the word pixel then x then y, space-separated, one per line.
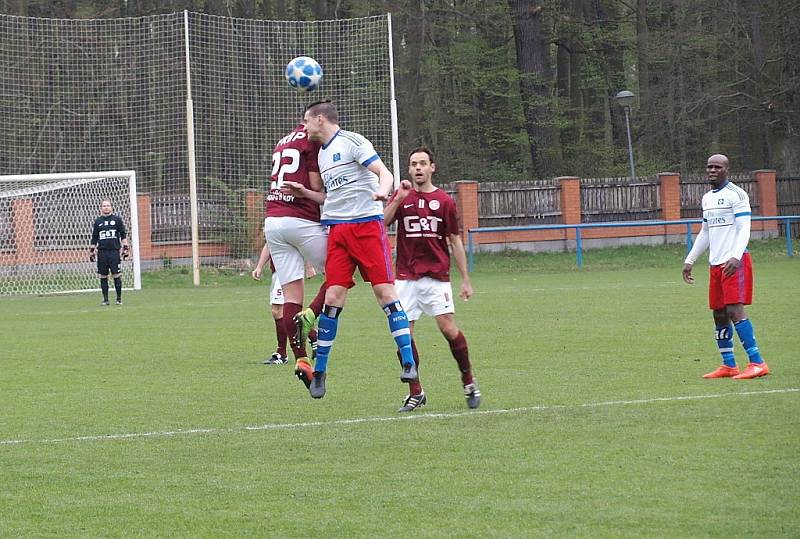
pixel 411 47
pixel 642 60
pixel 532 64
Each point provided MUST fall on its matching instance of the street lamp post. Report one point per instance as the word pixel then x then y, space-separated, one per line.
pixel 625 100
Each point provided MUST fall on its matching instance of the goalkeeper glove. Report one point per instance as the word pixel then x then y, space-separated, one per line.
pixel 126 252
pixel 92 255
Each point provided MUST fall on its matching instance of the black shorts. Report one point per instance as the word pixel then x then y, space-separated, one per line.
pixel 107 261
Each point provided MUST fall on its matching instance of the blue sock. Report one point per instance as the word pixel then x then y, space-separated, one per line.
pixel 744 328
pixel 326 333
pixel 398 325
pixel 724 336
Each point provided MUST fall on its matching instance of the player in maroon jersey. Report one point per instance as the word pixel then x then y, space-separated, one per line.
pixel 279 356
pixel 427 227
pixel 293 231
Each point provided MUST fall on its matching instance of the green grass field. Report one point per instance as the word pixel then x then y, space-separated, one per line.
pixel 157 418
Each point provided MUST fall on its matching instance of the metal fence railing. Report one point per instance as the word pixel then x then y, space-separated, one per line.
pixel 786 220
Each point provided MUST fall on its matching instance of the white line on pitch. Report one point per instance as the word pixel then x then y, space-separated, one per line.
pixel 408 417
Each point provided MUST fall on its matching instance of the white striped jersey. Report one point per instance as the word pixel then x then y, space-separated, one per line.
pixel 343 163
pixel 721 208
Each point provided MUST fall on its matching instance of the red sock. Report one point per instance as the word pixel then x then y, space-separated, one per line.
pixel 280 334
pixel 460 351
pixel 289 310
pixel 415 387
pixel 319 300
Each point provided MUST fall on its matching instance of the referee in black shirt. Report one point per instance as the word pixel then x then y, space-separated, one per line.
pixel 108 236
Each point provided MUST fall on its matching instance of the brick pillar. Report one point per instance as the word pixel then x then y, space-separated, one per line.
pixel 669 185
pixel 22 224
pixel 767 197
pixel 467 203
pixel 254 210
pixel 145 226
pixel 670 191
pixel 570 202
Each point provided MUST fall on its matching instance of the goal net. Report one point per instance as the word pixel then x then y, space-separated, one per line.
pixel 91 94
pixel 46 226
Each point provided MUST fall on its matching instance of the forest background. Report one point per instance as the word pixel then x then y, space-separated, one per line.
pixel 522 89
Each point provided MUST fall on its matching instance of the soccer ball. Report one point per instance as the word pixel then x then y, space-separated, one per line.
pixel 304 74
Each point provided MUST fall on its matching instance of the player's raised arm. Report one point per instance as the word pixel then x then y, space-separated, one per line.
pixel 390 211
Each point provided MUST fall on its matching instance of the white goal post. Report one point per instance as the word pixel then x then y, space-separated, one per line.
pixel 195 104
pixel 46 227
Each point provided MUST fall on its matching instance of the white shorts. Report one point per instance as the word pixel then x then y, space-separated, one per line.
pixel 275 291
pixel 425 295
pixel 292 242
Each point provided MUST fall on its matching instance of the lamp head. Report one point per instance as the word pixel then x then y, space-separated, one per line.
pixel 625 98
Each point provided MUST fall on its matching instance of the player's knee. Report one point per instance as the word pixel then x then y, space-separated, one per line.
pixel 736 312
pixel 447 325
pixel 385 293
pixel 335 295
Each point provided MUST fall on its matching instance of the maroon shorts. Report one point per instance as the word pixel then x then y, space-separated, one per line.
pixel 363 245
pixel 738 288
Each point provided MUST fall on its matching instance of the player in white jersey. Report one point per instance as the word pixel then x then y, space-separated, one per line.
pixel 725 232
pixel 356 183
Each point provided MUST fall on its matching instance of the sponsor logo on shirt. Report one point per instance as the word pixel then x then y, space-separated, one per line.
pixel 422 227
pixel 334 182
pixel 337 157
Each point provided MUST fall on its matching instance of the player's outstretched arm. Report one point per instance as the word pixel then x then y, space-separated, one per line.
pixel 461 263
pixel 301 191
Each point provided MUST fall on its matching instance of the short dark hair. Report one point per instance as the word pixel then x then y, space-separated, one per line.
pixel 422 149
pixel 325 108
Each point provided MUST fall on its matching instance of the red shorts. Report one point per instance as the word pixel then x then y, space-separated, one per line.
pixel 738 288
pixel 363 245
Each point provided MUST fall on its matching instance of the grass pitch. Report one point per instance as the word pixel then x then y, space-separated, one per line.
pixel 158 419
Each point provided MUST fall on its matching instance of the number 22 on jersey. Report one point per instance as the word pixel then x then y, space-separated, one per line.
pixel 284 162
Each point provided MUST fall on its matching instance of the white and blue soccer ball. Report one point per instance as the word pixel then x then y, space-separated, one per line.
pixel 304 74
